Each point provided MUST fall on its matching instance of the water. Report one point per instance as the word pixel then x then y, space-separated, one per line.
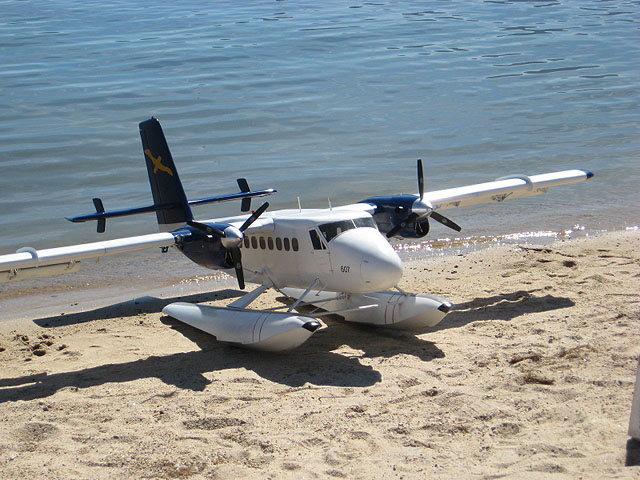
pixel 317 99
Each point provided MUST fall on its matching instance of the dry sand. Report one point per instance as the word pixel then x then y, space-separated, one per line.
pixel 530 377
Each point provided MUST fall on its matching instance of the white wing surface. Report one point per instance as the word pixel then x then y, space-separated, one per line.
pixel 503 189
pixel 31 263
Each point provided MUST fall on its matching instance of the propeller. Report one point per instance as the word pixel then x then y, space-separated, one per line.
pixel 231 238
pixel 421 210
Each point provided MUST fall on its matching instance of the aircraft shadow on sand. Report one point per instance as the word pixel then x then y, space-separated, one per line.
pixel 137 306
pixel 186 370
pixel 315 363
pixel 373 341
pixel 504 307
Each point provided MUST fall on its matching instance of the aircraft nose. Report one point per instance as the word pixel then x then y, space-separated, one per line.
pixel 367 261
pixel 381 271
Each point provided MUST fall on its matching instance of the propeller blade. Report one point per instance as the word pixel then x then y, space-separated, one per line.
pixel 254 216
pixel 445 221
pixel 422 228
pixel 402 225
pixel 420 179
pixel 236 259
pixel 208 229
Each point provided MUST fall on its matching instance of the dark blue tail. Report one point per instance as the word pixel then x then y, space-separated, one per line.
pixel 169 201
pixel 165 184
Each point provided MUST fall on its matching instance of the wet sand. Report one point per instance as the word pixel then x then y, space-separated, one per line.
pixel 531 376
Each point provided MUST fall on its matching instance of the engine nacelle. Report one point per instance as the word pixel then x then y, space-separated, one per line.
pixel 391 210
pixel 206 251
pixel 271 331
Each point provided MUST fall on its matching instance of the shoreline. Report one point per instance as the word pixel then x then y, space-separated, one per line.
pixel 129 277
pixel 531 374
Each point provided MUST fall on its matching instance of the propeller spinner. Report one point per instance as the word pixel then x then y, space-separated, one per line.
pixel 421 210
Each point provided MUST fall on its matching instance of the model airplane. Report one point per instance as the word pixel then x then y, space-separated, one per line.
pixel 338 259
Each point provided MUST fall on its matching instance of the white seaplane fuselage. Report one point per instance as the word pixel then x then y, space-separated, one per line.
pixel 340 249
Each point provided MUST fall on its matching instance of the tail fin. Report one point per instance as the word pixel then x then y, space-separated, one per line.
pixel 165 184
pixel 169 201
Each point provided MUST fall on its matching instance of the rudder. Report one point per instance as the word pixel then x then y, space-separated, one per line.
pixel 163 177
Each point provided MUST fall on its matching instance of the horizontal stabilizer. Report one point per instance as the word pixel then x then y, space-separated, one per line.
pixel 101 215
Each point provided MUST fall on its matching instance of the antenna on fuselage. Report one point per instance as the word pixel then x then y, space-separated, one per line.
pixel 330 206
pixel 299 206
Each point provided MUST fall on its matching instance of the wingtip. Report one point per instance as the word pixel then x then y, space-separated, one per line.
pixel 588 173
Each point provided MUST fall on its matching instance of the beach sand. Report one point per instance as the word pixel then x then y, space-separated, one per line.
pixel 531 376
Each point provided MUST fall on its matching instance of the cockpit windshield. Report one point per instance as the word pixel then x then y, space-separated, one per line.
pixel 333 229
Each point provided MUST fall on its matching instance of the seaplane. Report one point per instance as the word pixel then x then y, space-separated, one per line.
pixel 337 260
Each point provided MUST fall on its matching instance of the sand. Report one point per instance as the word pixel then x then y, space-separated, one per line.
pixel 531 376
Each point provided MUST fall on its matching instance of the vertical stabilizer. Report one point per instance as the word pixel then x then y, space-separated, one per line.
pixel 165 184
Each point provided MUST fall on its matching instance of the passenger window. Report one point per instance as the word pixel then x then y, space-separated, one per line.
pixel 294 244
pixel 246 242
pixel 270 243
pixel 287 246
pixel 262 243
pixel 254 242
pixel 278 243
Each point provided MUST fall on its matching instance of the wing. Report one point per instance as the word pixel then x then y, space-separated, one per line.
pixel 503 189
pixel 408 215
pixel 31 263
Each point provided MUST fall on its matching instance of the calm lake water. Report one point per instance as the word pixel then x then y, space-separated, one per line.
pixel 318 100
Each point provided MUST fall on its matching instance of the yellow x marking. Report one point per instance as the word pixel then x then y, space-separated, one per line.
pixel 157 163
